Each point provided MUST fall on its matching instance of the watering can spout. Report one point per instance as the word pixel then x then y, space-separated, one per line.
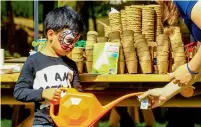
pixel 115 102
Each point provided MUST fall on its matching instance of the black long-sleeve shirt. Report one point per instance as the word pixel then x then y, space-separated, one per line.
pixel 42 72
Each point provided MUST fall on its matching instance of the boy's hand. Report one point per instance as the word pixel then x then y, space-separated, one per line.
pixel 52 94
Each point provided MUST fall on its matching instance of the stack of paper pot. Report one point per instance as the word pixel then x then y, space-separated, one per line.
pixel 148 23
pixel 91 40
pixel 123 20
pixel 121 62
pixel 177 48
pixel 77 56
pixel 115 21
pixel 158 17
pixel 115 37
pixel 102 39
pixel 163 45
pixel 107 30
pixel 133 18
pixel 129 51
pixel 143 53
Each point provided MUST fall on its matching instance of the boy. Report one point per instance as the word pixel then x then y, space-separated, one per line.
pixel 45 72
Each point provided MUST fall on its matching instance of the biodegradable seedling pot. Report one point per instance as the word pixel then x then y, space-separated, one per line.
pixel 132 66
pixel 80 66
pixel 129 49
pixel 92 37
pixel 77 50
pixel 143 58
pixel 89 65
pixel 102 39
pixel 121 67
pixel 114 35
pixel 146 66
pixel 130 54
pixel 89 52
pixel 127 43
pixel 144 53
pixel 162 67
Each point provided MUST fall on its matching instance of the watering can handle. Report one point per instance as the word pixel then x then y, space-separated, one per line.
pixel 52 110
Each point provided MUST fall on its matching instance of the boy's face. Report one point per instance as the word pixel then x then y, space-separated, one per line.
pixel 63 41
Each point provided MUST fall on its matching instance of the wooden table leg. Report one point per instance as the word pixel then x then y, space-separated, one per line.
pixel 148 117
pixel 15 115
pixel 136 116
pixel 114 118
pixel 28 122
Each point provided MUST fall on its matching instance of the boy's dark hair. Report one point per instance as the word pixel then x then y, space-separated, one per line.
pixel 61 18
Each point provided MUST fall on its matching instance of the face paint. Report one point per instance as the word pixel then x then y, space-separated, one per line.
pixel 67 39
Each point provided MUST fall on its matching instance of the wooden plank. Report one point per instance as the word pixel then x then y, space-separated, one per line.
pixel 15 115
pixel 9 77
pixel 107 97
pixel 136 116
pixel 16 60
pixel 10 100
pixel 148 117
pixel 105 78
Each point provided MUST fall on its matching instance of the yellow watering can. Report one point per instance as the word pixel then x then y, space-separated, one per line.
pixel 78 109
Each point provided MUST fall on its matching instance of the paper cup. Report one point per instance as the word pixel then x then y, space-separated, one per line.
pixel 77 50
pixel 89 58
pixel 77 56
pixel 145 53
pixel 90 43
pixel 162 58
pixel 114 35
pixel 102 39
pixel 130 54
pixel 80 66
pixel 163 67
pixel 121 57
pixel 143 58
pixel 179 58
pixel 89 65
pixel 142 49
pixel 89 52
pixel 127 43
pixel 132 66
pixel 146 66
pixel 121 67
pixel 131 58
pixel 91 37
pixel 129 49
pixel 179 54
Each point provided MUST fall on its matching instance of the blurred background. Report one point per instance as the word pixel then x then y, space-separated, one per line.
pixel 17 20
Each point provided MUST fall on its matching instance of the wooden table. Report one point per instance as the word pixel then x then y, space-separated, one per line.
pixel 99 84
pixel 106 88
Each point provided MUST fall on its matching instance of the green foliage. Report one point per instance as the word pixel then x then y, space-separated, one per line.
pixel 22 9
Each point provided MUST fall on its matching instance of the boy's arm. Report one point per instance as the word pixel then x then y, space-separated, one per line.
pixel 23 90
pixel 76 79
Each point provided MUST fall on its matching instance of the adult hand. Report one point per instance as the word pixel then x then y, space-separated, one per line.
pixel 52 94
pixel 156 97
pixel 182 76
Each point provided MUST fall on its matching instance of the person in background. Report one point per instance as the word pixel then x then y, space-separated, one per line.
pixel 187 74
pixel 45 73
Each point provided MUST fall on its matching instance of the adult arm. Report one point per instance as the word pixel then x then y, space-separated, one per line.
pixel 195 14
